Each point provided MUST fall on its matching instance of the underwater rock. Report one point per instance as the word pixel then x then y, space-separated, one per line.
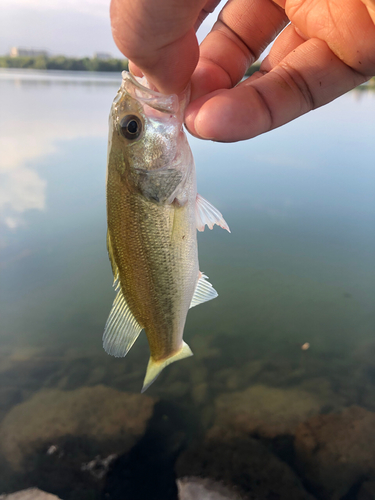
pixel 202 348
pixel 199 375
pixel 336 451
pixel 9 396
pixel 174 389
pixel 29 494
pixel 242 464
pixel 195 488
pixel 27 375
pixel 199 393
pixel 100 413
pixel 367 491
pixel 98 467
pixel 266 411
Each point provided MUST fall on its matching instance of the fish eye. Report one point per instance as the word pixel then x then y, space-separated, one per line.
pixel 131 127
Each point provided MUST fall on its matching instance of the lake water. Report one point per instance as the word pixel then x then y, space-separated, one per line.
pixel 296 277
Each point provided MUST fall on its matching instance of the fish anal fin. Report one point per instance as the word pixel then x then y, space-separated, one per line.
pixel 204 291
pixel 154 368
pixel 205 213
pixel 121 329
pixel 112 259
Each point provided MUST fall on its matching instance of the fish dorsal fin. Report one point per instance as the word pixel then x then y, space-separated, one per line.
pixel 204 291
pixel 121 329
pixel 205 213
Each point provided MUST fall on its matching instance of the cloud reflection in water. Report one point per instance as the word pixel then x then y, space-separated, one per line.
pixel 39 110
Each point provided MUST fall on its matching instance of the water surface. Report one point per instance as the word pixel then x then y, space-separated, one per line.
pixel 299 266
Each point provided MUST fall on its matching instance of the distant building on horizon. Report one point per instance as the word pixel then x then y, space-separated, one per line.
pixel 103 56
pixel 21 52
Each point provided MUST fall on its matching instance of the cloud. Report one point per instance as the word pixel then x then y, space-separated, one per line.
pixel 93 7
pixel 69 27
pixel 72 28
pixel 37 118
pixel 21 189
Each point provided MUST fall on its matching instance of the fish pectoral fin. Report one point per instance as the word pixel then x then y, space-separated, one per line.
pixel 204 291
pixel 121 329
pixel 205 213
pixel 154 368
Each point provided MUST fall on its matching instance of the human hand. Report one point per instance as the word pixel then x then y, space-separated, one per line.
pixel 327 49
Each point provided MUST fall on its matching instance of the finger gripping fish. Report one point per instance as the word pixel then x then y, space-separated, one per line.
pixel 153 211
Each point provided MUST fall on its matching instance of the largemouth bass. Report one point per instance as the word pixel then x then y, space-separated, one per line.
pixel 153 212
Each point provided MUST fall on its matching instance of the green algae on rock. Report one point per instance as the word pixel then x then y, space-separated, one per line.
pixel 336 451
pixel 267 411
pixel 101 413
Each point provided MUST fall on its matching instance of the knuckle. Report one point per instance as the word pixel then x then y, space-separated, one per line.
pixel 299 85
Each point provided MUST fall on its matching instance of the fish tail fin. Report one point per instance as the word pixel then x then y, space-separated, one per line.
pixel 154 368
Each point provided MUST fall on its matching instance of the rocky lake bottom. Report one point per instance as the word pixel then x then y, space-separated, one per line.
pixel 292 427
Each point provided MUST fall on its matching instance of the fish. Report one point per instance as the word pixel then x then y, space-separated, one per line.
pixel 153 213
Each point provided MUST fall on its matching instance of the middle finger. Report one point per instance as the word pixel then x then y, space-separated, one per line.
pixel 243 30
pixel 287 41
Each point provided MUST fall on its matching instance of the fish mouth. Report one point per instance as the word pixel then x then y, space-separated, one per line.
pixel 139 89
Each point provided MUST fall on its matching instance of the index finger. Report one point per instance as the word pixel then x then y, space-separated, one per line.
pixel 309 77
pixel 243 30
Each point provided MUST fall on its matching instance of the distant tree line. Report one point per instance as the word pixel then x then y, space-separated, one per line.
pixel 253 68
pixel 74 64
pixel 91 64
pixel 64 63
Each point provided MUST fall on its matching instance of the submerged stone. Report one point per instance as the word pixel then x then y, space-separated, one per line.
pixel 243 465
pixel 266 411
pixel 367 491
pixel 29 494
pixel 336 451
pixel 196 488
pixel 100 413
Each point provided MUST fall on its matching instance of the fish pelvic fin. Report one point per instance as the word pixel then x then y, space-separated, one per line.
pixel 205 213
pixel 154 368
pixel 121 329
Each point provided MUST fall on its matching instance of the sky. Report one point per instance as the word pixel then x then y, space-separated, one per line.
pixel 74 28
